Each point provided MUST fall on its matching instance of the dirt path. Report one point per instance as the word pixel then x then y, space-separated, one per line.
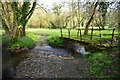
pixel 47 62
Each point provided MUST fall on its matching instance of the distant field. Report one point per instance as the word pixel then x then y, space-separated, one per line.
pixel 56 32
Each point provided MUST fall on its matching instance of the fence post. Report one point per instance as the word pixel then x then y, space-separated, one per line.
pixel 69 33
pixel 80 35
pixel 61 32
pixel 112 35
pixel 91 33
pixel 100 35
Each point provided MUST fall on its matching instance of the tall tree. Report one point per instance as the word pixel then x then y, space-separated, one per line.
pixel 15 16
pixel 91 18
pixel 58 14
pixel 103 6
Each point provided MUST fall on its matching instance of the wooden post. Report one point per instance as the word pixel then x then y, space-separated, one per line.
pixel 112 35
pixel 80 34
pixel 91 33
pixel 61 32
pixel 100 35
pixel 69 33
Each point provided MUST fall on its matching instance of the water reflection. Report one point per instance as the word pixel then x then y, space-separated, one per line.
pixel 9 62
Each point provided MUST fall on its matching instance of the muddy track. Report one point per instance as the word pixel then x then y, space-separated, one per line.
pixel 47 62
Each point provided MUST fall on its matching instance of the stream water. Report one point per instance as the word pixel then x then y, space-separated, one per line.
pixel 11 64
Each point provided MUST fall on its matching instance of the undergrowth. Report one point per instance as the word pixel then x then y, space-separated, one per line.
pixel 5 39
pixel 55 40
pixel 102 66
pixel 26 41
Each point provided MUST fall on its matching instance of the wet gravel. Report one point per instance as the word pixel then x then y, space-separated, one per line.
pixel 47 62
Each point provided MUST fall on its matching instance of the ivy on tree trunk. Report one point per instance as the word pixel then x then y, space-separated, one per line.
pixel 15 17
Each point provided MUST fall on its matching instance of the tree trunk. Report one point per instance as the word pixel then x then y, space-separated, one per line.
pixel 103 28
pixel 53 25
pixel 103 25
pixel 27 17
pixel 91 18
pixel 61 32
pixel 4 25
pixel 23 31
pixel 16 36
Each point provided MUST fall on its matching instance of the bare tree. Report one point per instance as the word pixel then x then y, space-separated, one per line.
pixel 91 18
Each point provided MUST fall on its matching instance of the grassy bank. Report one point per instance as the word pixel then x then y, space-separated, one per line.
pixel 55 41
pixel 26 41
pixel 56 32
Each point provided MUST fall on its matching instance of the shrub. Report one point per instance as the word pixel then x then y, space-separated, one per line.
pixel 26 41
pixel 88 54
pixel 22 42
pixel 55 40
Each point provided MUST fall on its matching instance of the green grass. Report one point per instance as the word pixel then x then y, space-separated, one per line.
pixel 100 62
pixel 32 34
pixel 88 54
pixel 56 32
pixel 27 41
pixel 55 40
pixel 115 49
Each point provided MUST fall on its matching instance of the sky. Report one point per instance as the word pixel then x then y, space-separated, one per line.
pixel 52 1
pixel 48 4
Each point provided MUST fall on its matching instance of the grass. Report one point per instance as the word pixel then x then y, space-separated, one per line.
pixel 55 40
pixel 56 32
pixel 22 42
pixel 102 65
pixel 32 34
pixel 88 54
pixel 26 41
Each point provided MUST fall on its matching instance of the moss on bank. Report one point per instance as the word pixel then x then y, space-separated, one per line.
pixel 27 41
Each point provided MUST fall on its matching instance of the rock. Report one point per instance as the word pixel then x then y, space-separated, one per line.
pixel 80 49
pixel 77 48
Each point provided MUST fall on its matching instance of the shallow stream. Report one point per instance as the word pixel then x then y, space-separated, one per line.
pixel 41 50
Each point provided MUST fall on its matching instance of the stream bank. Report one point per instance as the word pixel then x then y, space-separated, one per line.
pixel 92 46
